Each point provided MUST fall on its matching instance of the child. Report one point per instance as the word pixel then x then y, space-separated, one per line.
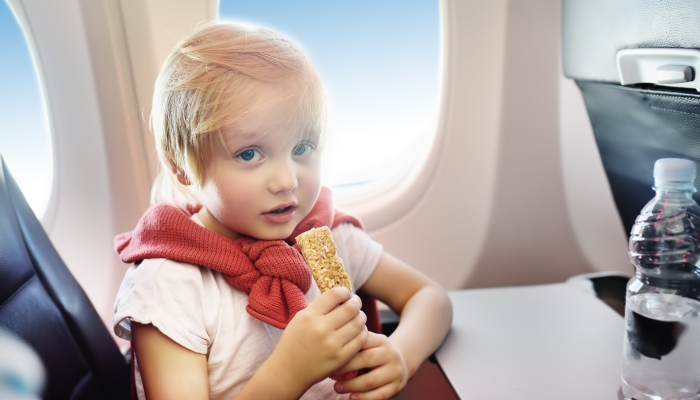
pixel 216 304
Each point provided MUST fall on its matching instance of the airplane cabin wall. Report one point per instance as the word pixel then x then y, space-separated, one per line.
pixel 513 191
pixel 517 194
pixel 92 64
pixel 592 211
pixel 81 216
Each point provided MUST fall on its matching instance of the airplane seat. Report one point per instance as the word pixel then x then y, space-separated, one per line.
pixel 637 114
pixel 42 304
pixel 636 64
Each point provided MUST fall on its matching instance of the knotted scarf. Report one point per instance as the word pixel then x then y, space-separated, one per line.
pixel 272 272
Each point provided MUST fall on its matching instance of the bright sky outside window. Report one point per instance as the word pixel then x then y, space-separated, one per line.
pixel 25 143
pixel 379 63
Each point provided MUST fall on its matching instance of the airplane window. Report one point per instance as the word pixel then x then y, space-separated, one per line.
pixel 25 143
pixel 379 63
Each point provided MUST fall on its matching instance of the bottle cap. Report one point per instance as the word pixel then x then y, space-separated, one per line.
pixel 674 171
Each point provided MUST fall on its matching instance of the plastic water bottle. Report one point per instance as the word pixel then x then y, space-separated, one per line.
pixel 662 312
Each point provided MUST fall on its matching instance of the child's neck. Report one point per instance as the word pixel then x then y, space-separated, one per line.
pixel 215 226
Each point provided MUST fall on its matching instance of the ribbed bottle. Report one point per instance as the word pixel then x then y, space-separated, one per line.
pixel 661 354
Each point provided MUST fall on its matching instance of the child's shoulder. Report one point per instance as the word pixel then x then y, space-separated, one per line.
pixel 173 294
pixel 163 268
pixel 164 276
pixel 359 252
pixel 351 238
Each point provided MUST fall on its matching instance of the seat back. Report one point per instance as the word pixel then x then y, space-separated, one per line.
pixel 634 125
pixel 41 303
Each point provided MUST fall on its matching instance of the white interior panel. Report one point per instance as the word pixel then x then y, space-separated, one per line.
pixel 153 28
pixel 495 213
pixel 78 219
pixel 594 217
pixel 94 65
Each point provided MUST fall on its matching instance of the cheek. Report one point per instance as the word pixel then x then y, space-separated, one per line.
pixel 311 181
pixel 312 172
pixel 211 197
pixel 230 198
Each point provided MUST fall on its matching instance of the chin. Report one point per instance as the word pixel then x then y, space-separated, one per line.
pixel 272 234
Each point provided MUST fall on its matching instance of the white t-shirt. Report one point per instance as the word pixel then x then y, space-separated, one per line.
pixel 198 309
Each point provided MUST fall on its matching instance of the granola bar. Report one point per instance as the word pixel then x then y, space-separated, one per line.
pixel 319 251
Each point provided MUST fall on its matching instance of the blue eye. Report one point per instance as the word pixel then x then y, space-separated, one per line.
pixel 249 155
pixel 302 149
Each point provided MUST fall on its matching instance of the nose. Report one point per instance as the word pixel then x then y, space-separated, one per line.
pixel 283 177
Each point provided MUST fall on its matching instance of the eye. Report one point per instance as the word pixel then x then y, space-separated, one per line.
pixel 303 149
pixel 249 155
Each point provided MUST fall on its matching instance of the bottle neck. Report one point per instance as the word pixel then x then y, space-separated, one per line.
pixel 674 187
pixel 680 193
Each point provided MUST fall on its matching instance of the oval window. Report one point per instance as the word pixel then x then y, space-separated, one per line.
pixel 25 143
pixel 379 63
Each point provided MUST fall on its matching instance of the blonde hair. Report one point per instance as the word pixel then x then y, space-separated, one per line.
pixel 211 80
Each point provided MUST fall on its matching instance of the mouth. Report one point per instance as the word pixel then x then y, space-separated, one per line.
pixel 282 208
pixel 282 214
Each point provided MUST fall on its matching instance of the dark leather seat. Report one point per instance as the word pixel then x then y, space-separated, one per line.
pixel 636 124
pixel 41 303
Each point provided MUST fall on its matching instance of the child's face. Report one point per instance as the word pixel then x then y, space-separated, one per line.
pixel 264 181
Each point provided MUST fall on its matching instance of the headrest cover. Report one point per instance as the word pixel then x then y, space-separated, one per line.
pixel 674 171
pixel 593 31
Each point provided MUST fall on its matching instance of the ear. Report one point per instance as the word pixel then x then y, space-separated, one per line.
pixel 181 177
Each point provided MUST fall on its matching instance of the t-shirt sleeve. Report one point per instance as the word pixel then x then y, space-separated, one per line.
pixel 359 252
pixel 169 295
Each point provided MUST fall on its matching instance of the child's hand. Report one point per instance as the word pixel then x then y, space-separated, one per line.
pixel 322 337
pixel 388 374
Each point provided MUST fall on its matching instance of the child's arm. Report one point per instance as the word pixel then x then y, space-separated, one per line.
pixel 168 370
pixel 318 340
pixel 426 316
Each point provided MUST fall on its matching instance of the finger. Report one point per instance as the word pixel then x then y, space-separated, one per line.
pixel 352 328
pixel 369 382
pixel 364 359
pixel 355 363
pixel 374 340
pixel 384 392
pixel 353 346
pixel 345 312
pixel 330 299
